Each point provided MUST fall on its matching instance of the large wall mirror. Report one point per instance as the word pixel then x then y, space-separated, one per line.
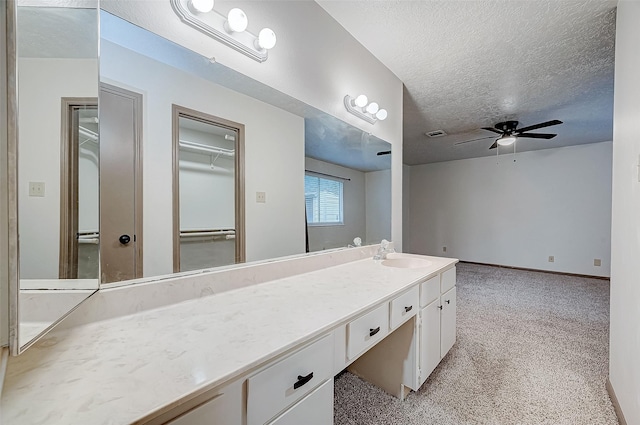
pixel 142 78
pixel 58 163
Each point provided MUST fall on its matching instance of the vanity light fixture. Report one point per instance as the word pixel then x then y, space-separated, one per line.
pixel 230 29
pixel 361 108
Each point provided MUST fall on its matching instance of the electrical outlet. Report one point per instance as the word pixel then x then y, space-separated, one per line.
pixel 444 249
pixel 551 259
pixel 261 197
pixel 597 262
pixel 36 189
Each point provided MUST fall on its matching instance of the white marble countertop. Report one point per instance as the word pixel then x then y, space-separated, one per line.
pixel 121 370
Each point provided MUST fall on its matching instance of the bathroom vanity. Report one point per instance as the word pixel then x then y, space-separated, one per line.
pixel 264 353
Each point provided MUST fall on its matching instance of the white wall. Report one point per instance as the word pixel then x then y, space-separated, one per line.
pixel 552 202
pixel 273 229
pixel 305 64
pixel 624 348
pixel 326 237
pixel 40 114
pixel 378 195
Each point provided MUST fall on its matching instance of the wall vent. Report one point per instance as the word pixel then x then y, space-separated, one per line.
pixel 436 133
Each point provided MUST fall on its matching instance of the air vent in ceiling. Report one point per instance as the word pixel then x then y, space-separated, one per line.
pixel 436 133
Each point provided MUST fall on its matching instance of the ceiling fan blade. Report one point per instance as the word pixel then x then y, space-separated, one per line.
pixel 538 135
pixel 383 153
pixel 495 145
pixel 536 126
pixel 473 140
pixel 492 129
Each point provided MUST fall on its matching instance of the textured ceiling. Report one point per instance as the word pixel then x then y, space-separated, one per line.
pixel 471 64
pixel 57 32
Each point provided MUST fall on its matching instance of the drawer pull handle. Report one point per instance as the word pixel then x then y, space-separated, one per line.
pixel 302 380
pixel 448 301
pixel 372 332
pixel 408 309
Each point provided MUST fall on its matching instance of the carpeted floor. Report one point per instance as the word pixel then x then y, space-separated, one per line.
pixel 532 348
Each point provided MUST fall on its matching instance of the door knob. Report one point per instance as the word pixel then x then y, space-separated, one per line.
pixel 124 239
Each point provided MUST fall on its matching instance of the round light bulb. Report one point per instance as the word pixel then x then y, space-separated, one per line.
pixel 506 140
pixel 201 6
pixel 381 114
pixel 266 39
pixel 372 108
pixel 361 101
pixel 237 20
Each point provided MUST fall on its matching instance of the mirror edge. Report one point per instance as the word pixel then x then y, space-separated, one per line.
pixel 12 174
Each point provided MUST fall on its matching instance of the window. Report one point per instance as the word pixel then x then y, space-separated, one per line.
pixel 323 200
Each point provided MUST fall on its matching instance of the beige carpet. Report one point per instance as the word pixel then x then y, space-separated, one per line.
pixel 532 349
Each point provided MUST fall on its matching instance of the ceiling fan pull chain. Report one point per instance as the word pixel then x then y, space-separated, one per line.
pixel 514 149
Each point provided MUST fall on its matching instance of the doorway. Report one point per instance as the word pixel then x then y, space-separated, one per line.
pixel 79 166
pixel 208 191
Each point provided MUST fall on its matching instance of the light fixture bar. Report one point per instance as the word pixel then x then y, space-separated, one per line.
pixel 213 24
pixel 349 104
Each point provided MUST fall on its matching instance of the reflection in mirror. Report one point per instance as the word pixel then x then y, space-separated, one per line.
pixel 209 218
pixel 347 186
pixel 276 127
pixel 57 50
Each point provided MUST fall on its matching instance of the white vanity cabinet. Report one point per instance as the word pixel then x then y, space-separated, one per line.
pixel 314 409
pixel 437 321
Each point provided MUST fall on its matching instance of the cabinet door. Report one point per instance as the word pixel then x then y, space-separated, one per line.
pixel 448 321
pixel 315 409
pixel 429 339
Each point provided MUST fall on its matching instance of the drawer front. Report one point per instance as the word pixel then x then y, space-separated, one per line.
pixel 287 381
pixel 224 408
pixel 403 307
pixel 367 330
pixel 314 409
pixel 448 280
pixel 429 291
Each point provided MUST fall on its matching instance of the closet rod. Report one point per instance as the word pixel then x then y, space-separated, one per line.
pixel 328 175
pixel 207 149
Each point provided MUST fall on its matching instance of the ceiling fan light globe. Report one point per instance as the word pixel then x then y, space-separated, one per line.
pixel 506 140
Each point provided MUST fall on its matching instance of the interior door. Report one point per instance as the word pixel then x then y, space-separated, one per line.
pixel 429 340
pixel 120 184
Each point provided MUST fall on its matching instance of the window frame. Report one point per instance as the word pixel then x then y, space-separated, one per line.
pixel 320 177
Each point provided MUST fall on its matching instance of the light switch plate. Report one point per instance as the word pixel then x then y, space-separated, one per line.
pixel 36 189
pixel 261 197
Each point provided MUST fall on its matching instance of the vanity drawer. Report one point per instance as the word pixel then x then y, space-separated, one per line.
pixel 429 290
pixel 403 307
pixel 225 407
pixel 287 381
pixel 448 280
pixel 314 409
pixel 367 330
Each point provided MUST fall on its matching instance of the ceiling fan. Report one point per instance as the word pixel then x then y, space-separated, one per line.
pixel 509 132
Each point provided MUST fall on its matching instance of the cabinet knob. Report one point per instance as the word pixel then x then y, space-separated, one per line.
pixel 440 307
pixel 124 239
pixel 372 332
pixel 448 301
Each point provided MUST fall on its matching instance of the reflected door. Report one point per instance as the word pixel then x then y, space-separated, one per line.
pixel 120 184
